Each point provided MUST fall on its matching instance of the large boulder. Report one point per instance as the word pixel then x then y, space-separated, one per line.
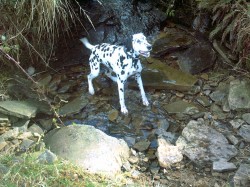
pixel 89 148
pixel 203 144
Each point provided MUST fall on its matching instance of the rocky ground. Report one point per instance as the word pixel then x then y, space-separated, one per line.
pixel 196 131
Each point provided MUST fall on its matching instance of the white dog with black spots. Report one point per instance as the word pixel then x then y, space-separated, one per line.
pixel 120 62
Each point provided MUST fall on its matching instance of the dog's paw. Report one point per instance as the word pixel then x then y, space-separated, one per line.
pixel 91 91
pixel 124 110
pixel 145 102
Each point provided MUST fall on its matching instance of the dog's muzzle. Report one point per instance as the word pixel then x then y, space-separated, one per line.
pixel 146 53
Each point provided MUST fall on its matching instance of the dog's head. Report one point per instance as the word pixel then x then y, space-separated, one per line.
pixel 141 45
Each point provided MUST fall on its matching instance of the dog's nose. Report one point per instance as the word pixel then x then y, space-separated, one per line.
pixel 149 47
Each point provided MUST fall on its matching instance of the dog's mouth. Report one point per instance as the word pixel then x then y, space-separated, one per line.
pixel 145 53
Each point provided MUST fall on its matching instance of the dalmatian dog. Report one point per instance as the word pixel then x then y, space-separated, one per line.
pixel 120 63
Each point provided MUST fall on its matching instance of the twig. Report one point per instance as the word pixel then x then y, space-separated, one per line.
pixel 10 58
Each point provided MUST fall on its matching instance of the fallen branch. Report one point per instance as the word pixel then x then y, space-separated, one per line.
pixel 10 58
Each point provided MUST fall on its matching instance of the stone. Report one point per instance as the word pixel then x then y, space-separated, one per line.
pixel 20 109
pixel 203 144
pixel 36 129
pixel 74 106
pixel 142 145
pixel 4 118
pixel 11 134
pixel 22 124
pixel 196 58
pixel 26 144
pixel 246 117
pixel 203 100
pixel 113 114
pixel 222 166
pixel 236 123
pixel 239 94
pixel 3 143
pixel 169 136
pixel 241 177
pixel 181 107
pixel 46 124
pixel 220 94
pixel 158 75
pixel 133 159
pixel 88 148
pixel 47 157
pixel 232 139
pixel 244 132
pixel 168 154
pixel 44 80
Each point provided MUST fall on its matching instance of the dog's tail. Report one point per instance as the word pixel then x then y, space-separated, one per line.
pixel 86 43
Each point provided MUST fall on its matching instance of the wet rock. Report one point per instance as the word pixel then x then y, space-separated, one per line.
pixel 244 132
pixel 167 154
pixel 201 144
pixel 88 148
pixel 236 123
pixel 129 140
pixel 181 107
pixel 20 109
pixel 74 106
pixel 163 124
pixel 113 114
pixel 246 117
pixel 222 166
pixel 204 101
pixel 158 75
pixel 47 157
pixel 142 145
pixel 239 94
pixel 241 177
pixel 196 58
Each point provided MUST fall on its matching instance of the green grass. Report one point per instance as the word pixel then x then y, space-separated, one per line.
pixel 28 172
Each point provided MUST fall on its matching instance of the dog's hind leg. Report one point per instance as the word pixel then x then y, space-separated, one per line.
pixel 140 84
pixel 108 73
pixel 95 69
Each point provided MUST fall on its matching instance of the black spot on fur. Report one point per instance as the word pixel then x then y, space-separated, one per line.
pixel 122 72
pixel 121 89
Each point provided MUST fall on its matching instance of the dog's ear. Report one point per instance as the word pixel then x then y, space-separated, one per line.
pixel 128 44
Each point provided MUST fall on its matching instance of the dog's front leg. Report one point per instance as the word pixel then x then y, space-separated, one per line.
pixel 121 96
pixel 140 84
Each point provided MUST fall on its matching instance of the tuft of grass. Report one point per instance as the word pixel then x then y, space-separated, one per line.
pixel 26 171
pixel 29 29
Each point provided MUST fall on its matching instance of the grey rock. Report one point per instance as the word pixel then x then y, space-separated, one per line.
pixel 47 157
pixel 241 177
pixel 88 148
pixel 3 143
pixel 218 112
pixel 36 129
pixel 4 118
pixel 20 109
pixel 26 144
pixel 222 166
pixel 22 124
pixel 220 94
pixel 203 144
pixel 46 124
pixel 73 106
pixel 233 139
pixel 142 145
pixel 239 94
pixel 246 117
pixel 168 154
pixel 130 140
pixel 168 136
pixel 244 132
pixel 236 123
pixel 204 101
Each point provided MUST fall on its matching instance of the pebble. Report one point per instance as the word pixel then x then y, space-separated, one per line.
pixel 142 145
pixel 246 117
pixel 236 123
pixel 133 159
pixel 47 157
pixel 113 114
